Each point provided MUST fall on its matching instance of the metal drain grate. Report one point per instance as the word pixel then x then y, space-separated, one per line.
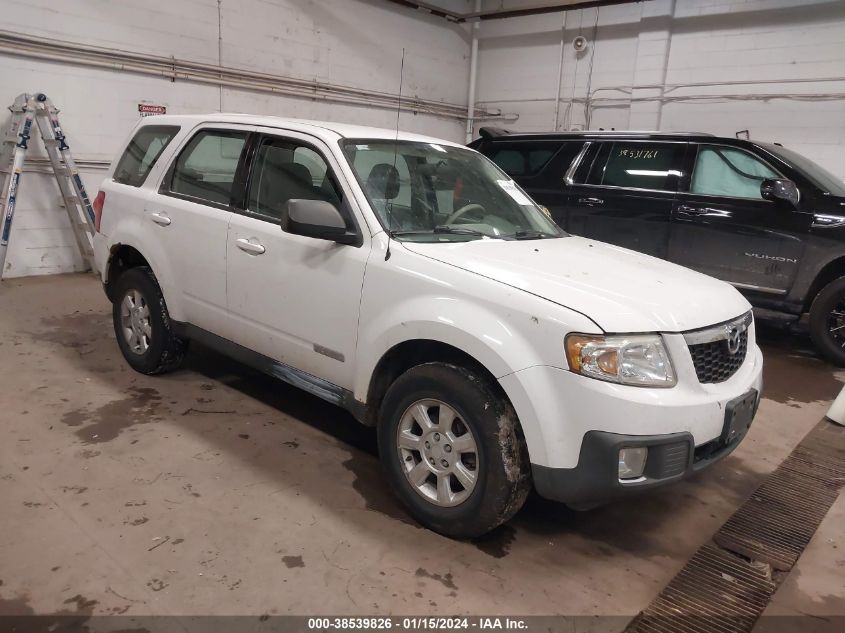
pixel 776 523
pixel 715 591
pixel 727 584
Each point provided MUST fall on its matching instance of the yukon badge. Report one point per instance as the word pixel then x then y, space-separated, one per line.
pixel 774 258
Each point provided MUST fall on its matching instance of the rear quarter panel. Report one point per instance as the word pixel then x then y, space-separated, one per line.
pixel 121 222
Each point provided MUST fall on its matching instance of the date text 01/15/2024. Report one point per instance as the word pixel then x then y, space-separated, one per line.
pixel 416 623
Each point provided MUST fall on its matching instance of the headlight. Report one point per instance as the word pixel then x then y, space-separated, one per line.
pixel 640 360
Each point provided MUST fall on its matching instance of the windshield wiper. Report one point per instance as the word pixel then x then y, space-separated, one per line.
pixel 442 228
pixel 458 230
pixel 529 235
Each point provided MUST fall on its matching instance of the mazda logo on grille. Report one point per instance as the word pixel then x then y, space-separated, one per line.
pixel 734 338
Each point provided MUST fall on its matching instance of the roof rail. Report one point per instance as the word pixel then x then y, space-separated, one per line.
pixel 624 133
pixel 492 132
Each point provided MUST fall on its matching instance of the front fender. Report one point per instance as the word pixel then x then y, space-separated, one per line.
pixel 411 297
pixel 505 329
pixel 482 335
pixel 485 347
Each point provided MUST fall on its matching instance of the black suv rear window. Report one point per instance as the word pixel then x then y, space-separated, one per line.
pixel 522 159
pixel 142 153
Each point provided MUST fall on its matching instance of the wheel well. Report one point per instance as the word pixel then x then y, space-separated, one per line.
pixel 404 356
pixel 832 270
pixel 122 258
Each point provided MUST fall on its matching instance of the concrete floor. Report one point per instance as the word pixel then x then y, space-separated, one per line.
pixel 216 490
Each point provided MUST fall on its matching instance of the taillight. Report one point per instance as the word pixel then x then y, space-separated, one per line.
pixel 99 201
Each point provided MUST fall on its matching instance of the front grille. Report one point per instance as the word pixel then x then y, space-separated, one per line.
pixel 714 362
pixel 718 351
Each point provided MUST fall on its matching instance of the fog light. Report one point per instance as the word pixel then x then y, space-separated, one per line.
pixel 632 462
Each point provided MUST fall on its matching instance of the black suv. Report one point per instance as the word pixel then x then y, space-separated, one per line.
pixel 756 215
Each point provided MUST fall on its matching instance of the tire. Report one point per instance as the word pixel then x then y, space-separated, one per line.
pixel 826 312
pixel 499 462
pixel 159 350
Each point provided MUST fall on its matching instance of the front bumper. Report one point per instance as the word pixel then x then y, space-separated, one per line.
pixel 595 479
pixel 574 425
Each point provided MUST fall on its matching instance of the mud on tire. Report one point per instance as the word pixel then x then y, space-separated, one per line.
pixel 503 478
pixel 165 351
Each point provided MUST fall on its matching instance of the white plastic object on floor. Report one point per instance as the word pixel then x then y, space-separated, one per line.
pixel 836 413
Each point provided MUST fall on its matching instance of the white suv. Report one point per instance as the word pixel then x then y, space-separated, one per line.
pixel 409 280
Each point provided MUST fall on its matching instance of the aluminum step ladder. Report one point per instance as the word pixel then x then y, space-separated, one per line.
pixel 38 108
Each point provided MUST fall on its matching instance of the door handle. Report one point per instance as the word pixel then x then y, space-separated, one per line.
pixel 254 248
pixel 160 219
pixel 590 201
pixel 685 209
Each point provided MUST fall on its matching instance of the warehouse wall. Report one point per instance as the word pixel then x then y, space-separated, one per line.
pixel 359 43
pixel 667 42
pixel 351 42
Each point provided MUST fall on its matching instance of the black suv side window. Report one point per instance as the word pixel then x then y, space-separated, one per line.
pixel 730 172
pixel 205 169
pixel 286 170
pixel 523 159
pixel 637 165
pixel 142 153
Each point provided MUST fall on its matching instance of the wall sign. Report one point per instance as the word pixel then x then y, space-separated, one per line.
pixel 147 109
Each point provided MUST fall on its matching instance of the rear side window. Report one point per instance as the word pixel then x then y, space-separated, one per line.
pixel 522 159
pixel 142 153
pixel 638 166
pixel 205 170
pixel 730 172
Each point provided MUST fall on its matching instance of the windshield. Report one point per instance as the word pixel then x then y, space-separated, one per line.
pixel 817 174
pixel 425 192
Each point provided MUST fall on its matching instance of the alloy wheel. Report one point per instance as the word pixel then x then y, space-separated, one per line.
pixel 438 452
pixel 135 321
pixel 836 323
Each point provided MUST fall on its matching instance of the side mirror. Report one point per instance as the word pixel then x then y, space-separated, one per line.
pixel 316 218
pixel 776 190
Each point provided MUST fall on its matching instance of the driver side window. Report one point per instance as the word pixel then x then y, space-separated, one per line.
pixel 730 172
pixel 287 170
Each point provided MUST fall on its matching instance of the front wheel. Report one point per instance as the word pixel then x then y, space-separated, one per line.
pixel 827 321
pixel 453 450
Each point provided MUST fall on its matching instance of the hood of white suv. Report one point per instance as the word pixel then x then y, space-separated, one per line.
pixel 622 291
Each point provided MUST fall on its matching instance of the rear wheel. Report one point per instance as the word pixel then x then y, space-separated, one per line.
pixel 142 324
pixel 827 321
pixel 453 451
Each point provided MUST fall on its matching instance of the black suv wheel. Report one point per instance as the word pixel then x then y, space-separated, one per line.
pixel 827 321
